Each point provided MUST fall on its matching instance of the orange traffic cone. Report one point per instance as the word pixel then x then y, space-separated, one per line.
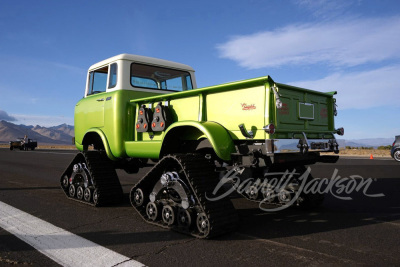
pixel 371 157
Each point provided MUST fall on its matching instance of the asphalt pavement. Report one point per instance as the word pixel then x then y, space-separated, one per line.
pixel 363 230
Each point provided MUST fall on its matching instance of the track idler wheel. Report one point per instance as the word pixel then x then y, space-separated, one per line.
pixel 138 197
pixel 203 224
pixel 65 182
pixel 96 197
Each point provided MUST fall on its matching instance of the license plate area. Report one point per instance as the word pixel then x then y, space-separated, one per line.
pixel 306 111
pixel 320 145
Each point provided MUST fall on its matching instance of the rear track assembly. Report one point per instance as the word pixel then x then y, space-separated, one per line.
pixel 173 195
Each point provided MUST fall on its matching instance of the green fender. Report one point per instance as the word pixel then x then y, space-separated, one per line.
pixel 216 134
pixel 103 139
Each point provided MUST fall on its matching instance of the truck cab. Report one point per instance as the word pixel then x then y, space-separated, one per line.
pixel 104 117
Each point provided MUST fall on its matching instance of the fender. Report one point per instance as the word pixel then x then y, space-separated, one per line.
pixel 103 139
pixel 217 135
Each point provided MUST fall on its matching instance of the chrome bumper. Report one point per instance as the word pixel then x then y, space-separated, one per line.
pixel 304 145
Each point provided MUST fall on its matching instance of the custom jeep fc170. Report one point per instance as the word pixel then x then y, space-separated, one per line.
pixel 137 108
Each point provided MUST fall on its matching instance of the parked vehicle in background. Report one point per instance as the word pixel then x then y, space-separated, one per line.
pixel 23 144
pixel 395 152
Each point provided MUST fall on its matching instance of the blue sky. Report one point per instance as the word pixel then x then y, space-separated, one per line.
pixel 349 46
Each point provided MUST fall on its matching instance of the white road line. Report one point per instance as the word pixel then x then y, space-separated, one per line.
pixel 61 246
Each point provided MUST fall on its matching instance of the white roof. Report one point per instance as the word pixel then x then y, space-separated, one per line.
pixel 142 59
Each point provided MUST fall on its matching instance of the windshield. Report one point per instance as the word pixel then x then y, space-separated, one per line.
pixel 153 77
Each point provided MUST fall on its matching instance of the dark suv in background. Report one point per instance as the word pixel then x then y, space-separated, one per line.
pixel 395 152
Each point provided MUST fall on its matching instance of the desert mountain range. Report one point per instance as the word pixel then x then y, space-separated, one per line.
pixel 61 134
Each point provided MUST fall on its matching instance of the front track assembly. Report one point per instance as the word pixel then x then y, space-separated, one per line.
pixel 91 179
pixel 173 195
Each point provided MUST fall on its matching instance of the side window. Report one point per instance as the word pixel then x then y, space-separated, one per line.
pixel 189 85
pixel 98 81
pixel 113 75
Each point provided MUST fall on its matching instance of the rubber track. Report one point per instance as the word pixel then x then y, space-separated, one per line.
pixel 202 180
pixel 104 177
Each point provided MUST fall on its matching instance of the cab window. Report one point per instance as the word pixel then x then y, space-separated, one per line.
pixel 113 75
pixel 98 81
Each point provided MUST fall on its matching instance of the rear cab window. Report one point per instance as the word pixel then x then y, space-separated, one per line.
pixel 154 77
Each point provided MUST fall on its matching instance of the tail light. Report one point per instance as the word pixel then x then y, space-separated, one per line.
pixel 270 128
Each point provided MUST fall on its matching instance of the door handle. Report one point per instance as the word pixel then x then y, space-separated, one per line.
pixel 100 99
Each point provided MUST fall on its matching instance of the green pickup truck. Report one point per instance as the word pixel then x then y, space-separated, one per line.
pixel 137 108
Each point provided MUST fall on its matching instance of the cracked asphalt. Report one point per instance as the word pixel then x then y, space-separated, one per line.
pixel 361 231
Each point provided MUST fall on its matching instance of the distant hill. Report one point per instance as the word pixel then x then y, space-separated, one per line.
pixel 370 142
pixel 61 134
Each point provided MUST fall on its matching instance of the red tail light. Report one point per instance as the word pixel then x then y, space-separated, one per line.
pixel 340 131
pixel 270 128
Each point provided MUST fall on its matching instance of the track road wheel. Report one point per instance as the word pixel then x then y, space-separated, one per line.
pixel 72 190
pixel 252 192
pixel 152 211
pixel 203 224
pixel 87 195
pixel 168 215
pixel 269 195
pixel 184 218
pixel 79 193
pixel 285 196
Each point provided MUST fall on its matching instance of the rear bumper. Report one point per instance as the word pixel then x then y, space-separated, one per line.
pixel 277 146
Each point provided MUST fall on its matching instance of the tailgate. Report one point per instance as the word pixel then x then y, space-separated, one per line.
pixel 302 111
